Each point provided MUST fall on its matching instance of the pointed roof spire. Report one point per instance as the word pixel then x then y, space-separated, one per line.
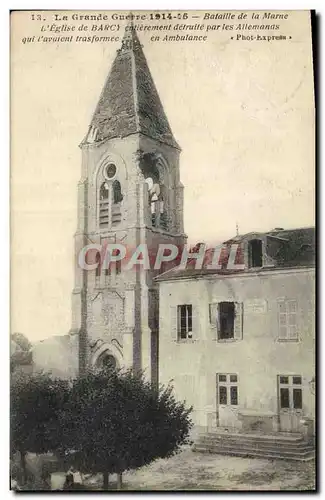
pixel 129 102
pixel 130 39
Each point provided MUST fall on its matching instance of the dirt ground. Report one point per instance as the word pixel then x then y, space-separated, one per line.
pixel 196 471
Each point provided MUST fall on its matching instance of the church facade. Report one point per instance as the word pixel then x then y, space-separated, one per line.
pixel 129 193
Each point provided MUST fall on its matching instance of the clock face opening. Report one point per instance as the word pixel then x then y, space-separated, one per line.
pixel 110 171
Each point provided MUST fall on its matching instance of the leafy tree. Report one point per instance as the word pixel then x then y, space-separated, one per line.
pixel 20 351
pixel 35 404
pixel 115 421
pixel 21 341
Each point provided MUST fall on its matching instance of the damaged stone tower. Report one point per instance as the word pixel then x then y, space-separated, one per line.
pixel 129 192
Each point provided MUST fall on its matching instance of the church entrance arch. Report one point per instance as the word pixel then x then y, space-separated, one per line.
pixel 107 356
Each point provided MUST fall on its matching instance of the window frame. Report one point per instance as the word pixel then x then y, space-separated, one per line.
pixel 227 386
pixel 250 253
pixel 291 387
pixel 283 320
pixel 215 323
pixel 109 214
pixel 220 313
pixel 188 322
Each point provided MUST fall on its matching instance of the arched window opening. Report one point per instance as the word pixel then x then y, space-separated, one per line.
pixel 107 362
pixel 163 215
pixel 157 204
pixel 117 193
pixel 104 191
pixel 116 207
pixel 110 197
pixel 154 200
pixel 103 205
pixel 255 253
pixel 149 181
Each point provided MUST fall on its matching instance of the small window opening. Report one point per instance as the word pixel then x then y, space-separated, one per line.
pixel 103 205
pixel 104 191
pixel 117 193
pixel 98 264
pixel 255 254
pixel 226 320
pixel 117 252
pixel 116 208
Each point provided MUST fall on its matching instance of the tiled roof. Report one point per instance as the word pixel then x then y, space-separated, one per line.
pixel 129 102
pixel 288 248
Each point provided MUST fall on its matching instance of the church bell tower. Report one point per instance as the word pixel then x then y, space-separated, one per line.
pixel 129 192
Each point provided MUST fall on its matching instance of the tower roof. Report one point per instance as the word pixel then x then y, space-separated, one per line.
pixel 129 102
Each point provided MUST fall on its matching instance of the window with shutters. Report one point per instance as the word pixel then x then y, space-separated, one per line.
pixel 104 206
pixel 116 206
pixel 287 320
pixel 226 318
pixel 184 322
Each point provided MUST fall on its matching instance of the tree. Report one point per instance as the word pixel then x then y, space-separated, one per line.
pixel 115 421
pixel 35 404
pixel 20 352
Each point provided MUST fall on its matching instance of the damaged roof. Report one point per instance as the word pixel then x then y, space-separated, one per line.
pixel 287 248
pixel 129 102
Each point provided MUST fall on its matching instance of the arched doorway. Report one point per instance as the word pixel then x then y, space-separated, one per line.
pixel 107 355
pixel 107 361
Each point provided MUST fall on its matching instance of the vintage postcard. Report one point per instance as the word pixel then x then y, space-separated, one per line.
pixel 162 250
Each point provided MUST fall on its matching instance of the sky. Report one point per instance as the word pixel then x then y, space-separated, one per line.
pixel 243 113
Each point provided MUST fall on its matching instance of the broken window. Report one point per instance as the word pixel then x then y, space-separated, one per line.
pixel 226 320
pixel 156 201
pixel 117 193
pixel 255 253
pixel 184 321
pixel 154 194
